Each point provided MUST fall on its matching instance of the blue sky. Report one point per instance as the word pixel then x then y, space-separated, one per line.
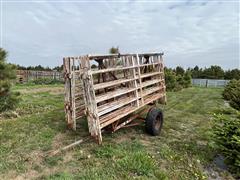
pixel 189 32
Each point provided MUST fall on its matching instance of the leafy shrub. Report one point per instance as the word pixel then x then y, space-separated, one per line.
pixel 170 80
pixel 8 99
pixel 231 93
pixel 226 134
pixel 176 82
pixel 187 79
pixel 46 81
pixel 180 80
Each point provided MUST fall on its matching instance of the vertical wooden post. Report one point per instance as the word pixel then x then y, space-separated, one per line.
pixel 135 81
pixel 66 68
pixel 91 106
pixel 163 78
pixel 72 66
pixel 139 77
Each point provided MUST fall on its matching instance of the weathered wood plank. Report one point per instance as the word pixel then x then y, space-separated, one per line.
pixel 91 105
pixel 151 82
pixel 150 74
pixel 140 79
pixel 116 115
pixel 67 90
pixel 111 83
pixel 152 90
pixel 113 94
pixel 108 107
pixel 135 81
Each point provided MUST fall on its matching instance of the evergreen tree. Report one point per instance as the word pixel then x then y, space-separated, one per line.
pixel 58 68
pixel 114 50
pixel 214 72
pixel 187 79
pixel 8 99
pixel 179 71
pixel 232 74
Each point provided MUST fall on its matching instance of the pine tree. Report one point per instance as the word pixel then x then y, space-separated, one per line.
pixel 8 99
pixel 114 50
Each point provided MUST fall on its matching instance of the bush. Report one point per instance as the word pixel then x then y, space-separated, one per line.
pixel 9 102
pixel 226 135
pixel 231 93
pixel 176 82
pixel 46 81
pixel 187 79
pixel 8 99
pixel 170 80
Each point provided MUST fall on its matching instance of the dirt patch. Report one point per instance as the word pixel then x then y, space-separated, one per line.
pixel 68 157
pixel 36 158
pixel 31 174
pixel 146 142
pixel 58 141
pixel 33 159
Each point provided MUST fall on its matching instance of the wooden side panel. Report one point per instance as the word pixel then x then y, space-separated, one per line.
pixel 74 95
pixel 90 100
pixel 67 90
pixel 140 79
pixel 73 104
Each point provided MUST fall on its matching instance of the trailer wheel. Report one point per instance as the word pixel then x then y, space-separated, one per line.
pixel 154 121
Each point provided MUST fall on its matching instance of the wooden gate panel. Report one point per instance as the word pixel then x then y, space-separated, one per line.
pixel 74 96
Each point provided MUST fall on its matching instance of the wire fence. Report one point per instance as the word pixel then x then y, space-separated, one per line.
pixel 209 82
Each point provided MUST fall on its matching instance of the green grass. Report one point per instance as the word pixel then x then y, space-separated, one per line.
pixel 182 151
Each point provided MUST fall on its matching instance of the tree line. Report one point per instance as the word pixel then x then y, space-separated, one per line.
pixel 39 68
pixel 212 72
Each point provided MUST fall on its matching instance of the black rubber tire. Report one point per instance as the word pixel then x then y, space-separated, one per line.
pixel 154 121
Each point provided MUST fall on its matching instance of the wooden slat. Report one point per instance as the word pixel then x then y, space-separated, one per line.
pixel 112 94
pixel 151 90
pixel 116 115
pixel 80 117
pixel 135 81
pixel 111 56
pixel 152 98
pixel 91 105
pixel 112 69
pixel 80 113
pixel 108 107
pixel 151 82
pixel 73 79
pixel 110 84
pixel 149 64
pixel 139 78
pixel 80 106
pixel 122 68
pixel 67 87
pixel 79 95
pixel 150 74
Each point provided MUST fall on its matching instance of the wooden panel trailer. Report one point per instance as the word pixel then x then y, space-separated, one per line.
pixel 111 91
